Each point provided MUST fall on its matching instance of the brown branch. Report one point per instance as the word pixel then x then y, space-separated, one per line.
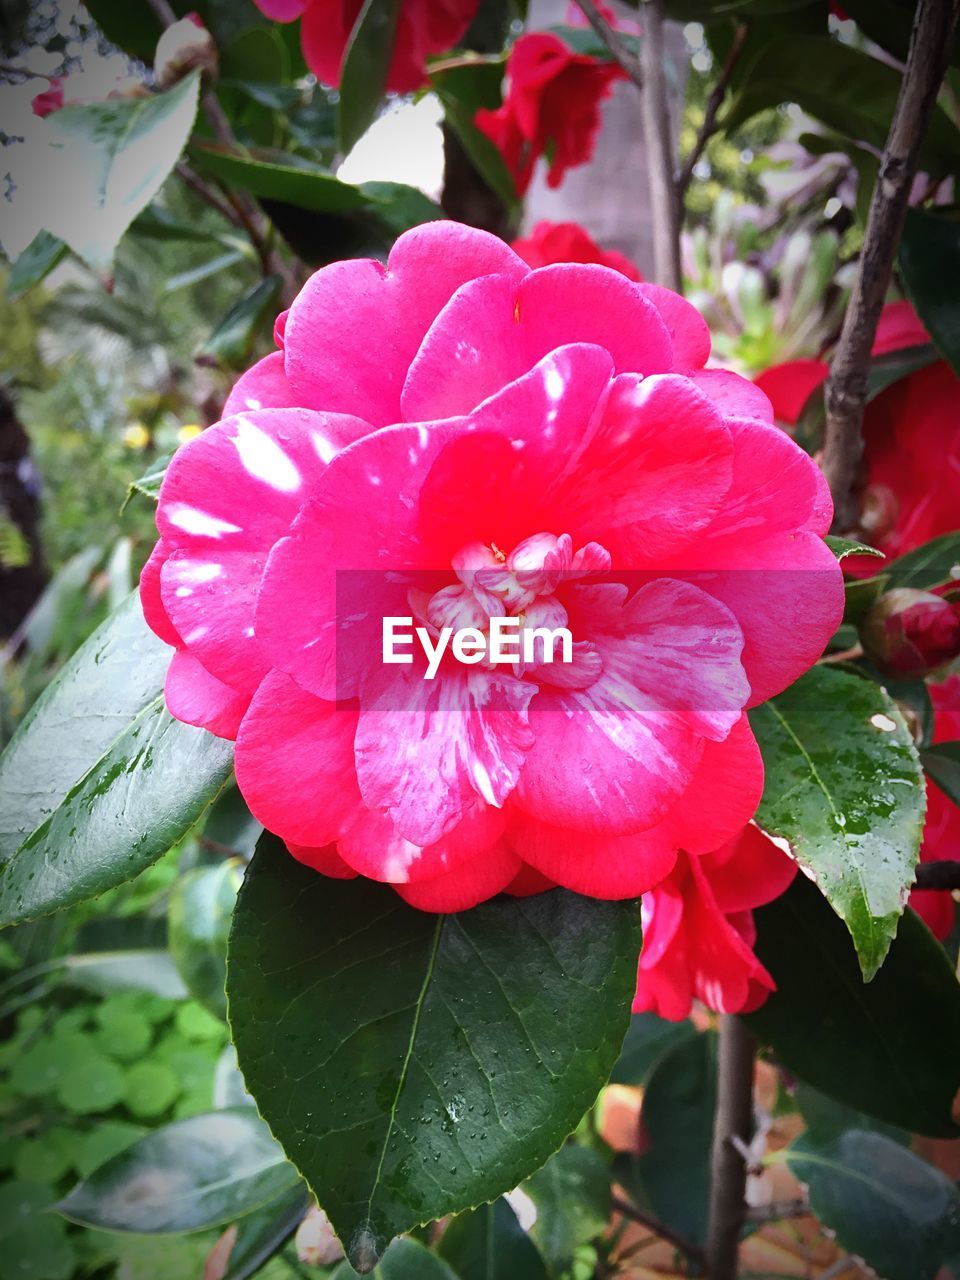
pixel 938 875
pixel 732 1129
pixel 206 193
pixel 614 43
pixel 846 390
pixel 655 109
pixel 709 126
pixel 628 1209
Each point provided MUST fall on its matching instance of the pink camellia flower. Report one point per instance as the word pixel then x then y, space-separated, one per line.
pixel 551 105
pixel 456 440
pixel 551 242
pixel 424 28
pixel 941 831
pixel 911 436
pixel 698 929
pixel 44 104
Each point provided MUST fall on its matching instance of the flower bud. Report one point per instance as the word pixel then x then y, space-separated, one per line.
pixel 911 633
pixel 185 46
pixel 317 1246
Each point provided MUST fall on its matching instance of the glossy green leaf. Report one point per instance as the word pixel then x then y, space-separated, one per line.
pixel 890 1048
pixel 404 1260
pixel 141 797
pixel 42 254
pixel 463 90
pixel 107 160
pixel 366 63
pixel 900 1214
pixel 415 1065
pixel 936 562
pixel 930 265
pixel 143 970
pixel 149 483
pixel 843 547
pixel 230 827
pixel 672 1176
pixel 261 1233
pixel 488 1243
pixel 232 341
pixel 844 788
pixel 199 922
pixel 846 89
pixel 400 207
pixel 826 1118
pixel 186 1176
pixel 305 185
pixel 572 1196
pixel 941 762
pixel 648 1039
pixel 108 681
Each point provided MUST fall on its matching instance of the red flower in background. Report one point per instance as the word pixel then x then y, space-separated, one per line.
pixel 911 433
pixel 941 833
pixel 698 929
pixel 424 27
pixel 44 104
pixel 552 100
pixel 551 242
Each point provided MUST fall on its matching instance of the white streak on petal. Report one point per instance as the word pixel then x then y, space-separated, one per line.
pixel 200 523
pixel 263 458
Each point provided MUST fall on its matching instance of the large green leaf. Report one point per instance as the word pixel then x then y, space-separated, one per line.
pixel 404 1260
pixel 463 91
pixel 145 969
pixel 572 1196
pixel 672 1175
pixel 366 63
pixel 199 921
pixel 648 1039
pixel 42 254
pixel 141 797
pixel 942 763
pixel 846 89
pixel 930 264
pixel 185 1176
pixel 108 681
pixel 898 1213
pixel 107 160
pixel 928 566
pixel 261 1233
pixel 489 1244
pixel 890 1048
pixel 305 185
pixel 844 788
pixel 415 1065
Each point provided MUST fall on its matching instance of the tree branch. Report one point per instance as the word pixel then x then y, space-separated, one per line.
pixel 778 1210
pixel 732 1127
pixel 655 109
pixel 938 875
pixel 627 1209
pixel 930 44
pixel 206 193
pixel 709 126
pixel 613 41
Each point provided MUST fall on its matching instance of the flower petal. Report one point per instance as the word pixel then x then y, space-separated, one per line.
pixel 196 697
pixel 467 884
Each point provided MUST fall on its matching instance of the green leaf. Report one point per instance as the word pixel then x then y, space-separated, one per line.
pixel 572 1196
pixel 648 1039
pixel 936 562
pixel 149 483
pixel 42 254
pixel 843 547
pixel 290 180
pixel 489 1244
pixel 941 762
pixel 844 787
pixel 139 799
pixel 232 341
pixel 890 1048
pixel 859 596
pixel 186 1176
pixel 930 264
pixel 199 921
pixel 405 1099
pixel 404 1260
pixel 826 1119
pixel 848 90
pixel 366 64
pixel 108 681
pixel 463 91
pixel 230 827
pixel 106 162
pixel 898 1213
pixel 400 207
pixel 672 1176
pixel 261 1233
pixel 144 970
